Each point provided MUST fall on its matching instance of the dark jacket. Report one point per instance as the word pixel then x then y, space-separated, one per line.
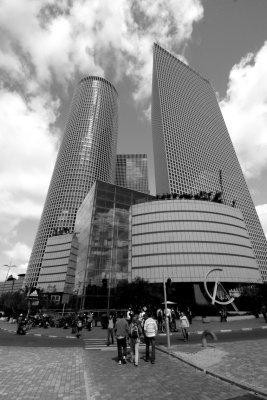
pixel 121 328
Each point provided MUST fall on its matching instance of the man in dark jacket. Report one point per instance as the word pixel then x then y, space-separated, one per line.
pixel 121 331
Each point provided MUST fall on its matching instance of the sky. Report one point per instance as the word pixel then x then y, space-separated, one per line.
pixel 47 46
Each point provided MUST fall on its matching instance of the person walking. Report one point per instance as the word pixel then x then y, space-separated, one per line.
pixel 111 325
pixel 135 333
pixel 129 315
pixel 150 331
pixel 89 321
pixel 160 319
pixel 184 325
pixel 79 326
pixel 263 311
pixel 121 331
pixel 189 315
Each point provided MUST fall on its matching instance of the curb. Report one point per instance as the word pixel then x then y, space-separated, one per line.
pixel 230 330
pixel 220 330
pixel 215 375
pixel 39 334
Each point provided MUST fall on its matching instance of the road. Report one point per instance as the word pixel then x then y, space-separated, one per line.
pixel 30 340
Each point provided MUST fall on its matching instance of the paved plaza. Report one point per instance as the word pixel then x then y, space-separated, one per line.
pixel 74 373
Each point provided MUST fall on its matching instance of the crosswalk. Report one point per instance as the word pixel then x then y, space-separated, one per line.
pixel 101 344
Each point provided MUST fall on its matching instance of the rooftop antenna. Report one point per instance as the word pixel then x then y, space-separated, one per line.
pixel 221 185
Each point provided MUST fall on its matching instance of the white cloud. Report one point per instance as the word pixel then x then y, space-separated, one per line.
pixel 262 213
pixel 245 111
pixel 20 252
pixel 27 157
pixel 54 39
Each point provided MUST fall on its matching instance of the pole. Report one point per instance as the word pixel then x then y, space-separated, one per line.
pixel 166 317
pixel 221 185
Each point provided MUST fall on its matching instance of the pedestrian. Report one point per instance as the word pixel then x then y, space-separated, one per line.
pixel 150 331
pixel 263 311
pixel 135 333
pixel 160 319
pixel 129 315
pixel 79 328
pixel 110 334
pixel 223 314
pixel 167 313
pixel 142 313
pixel 184 325
pixel 89 321
pixel 122 332
pixel 189 315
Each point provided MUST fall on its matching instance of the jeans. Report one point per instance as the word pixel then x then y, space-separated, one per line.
pixel 184 332
pixel 150 341
pixel 122 348
pixel 134 344
pixel 110 335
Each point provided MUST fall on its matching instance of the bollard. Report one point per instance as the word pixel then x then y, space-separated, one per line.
pixel 204 336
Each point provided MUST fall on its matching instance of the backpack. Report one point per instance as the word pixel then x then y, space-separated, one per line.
pixel 134 331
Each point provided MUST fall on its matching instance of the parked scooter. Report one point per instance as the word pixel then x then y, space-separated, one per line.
pixel 21 328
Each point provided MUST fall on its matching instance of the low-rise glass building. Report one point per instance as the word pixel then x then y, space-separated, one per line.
pixel 102 227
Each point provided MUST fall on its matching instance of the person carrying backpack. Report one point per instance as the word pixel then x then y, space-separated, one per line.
pixel 135 331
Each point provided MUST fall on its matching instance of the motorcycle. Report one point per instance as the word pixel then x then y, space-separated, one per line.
pixel 21 329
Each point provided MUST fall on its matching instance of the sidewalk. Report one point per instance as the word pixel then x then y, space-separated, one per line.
pixel 242 363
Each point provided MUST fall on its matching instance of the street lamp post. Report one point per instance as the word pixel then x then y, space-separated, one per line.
pixel 166 316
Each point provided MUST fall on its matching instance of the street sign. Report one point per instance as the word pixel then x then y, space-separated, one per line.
pixel 33 295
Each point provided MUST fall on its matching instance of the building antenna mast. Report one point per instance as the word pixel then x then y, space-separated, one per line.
pixel 221 186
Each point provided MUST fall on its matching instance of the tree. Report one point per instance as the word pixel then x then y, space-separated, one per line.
pixel 14 303
pixel 138 293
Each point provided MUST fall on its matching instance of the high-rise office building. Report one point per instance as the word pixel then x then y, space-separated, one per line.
pixel 193 151
pixel 132 172
pixel 87 153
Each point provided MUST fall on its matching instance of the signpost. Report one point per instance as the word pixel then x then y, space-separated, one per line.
pixel 166 317
pixel 32 300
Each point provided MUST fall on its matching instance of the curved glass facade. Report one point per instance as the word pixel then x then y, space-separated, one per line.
pixel 87 153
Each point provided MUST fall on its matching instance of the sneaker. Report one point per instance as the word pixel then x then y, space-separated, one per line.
pixel 119 362
pixel 136 364
pixel 124 360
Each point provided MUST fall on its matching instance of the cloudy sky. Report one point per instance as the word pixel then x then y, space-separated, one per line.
pixel 46 46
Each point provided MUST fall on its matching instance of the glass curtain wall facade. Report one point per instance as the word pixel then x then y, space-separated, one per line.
pixel 103 225
pixel 132 172
pixel 87 153
pixel 193 151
